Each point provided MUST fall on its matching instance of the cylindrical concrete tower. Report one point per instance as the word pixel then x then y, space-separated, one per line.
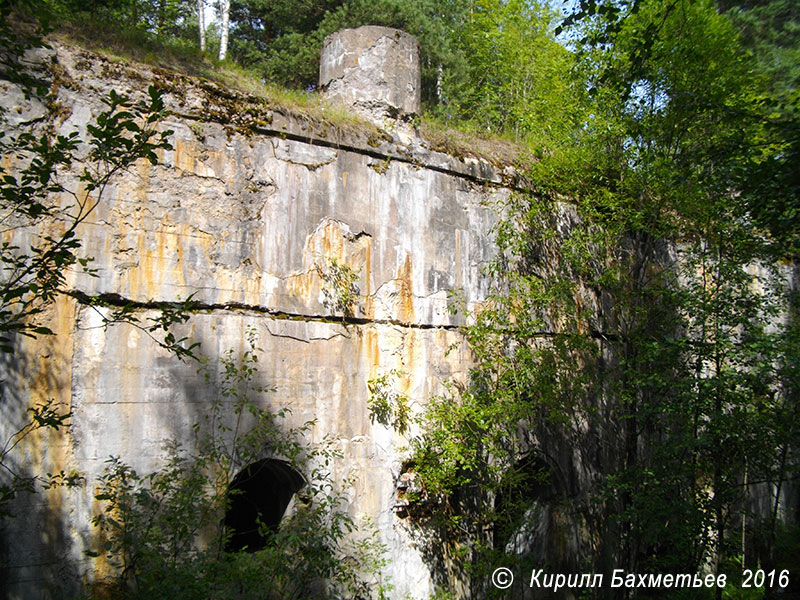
pixel 373 69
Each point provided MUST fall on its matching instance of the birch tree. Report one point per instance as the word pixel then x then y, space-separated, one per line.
pixel 201 24
pixel 224 9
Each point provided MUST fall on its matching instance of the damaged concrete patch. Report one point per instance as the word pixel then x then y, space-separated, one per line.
pixel 312 157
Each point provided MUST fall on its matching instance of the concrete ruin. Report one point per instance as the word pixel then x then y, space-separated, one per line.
pixel 255 212
pixel 248 212
pixel 373 70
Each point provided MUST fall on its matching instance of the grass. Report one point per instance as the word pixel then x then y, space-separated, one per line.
pixel 132 45
pixel 464 141
pixel 184 57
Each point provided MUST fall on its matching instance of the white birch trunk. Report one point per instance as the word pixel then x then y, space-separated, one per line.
pixel 201 22
pixel 225 9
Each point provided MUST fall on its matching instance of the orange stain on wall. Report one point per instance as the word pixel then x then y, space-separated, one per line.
pixel 406 303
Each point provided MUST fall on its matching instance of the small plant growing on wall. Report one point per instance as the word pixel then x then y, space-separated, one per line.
pixel 386 406
pixel 339 288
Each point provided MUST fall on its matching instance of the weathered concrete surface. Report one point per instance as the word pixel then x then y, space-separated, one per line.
pixel 374 70
pixel 246 212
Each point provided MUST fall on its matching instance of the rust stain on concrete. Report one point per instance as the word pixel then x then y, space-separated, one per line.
pixel 46 366
pixel 406 291
pixel 304 286
pixel 369 301
pixel 370 351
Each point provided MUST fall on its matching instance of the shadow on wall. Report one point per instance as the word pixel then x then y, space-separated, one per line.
pixel 38 542
pixel 537 525
pixel 262 491
pixel 35 537
pixel 531 522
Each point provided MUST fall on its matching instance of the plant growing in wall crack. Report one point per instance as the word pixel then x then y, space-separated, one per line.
pixel 339 288
pixel 386 406
pixel 173 533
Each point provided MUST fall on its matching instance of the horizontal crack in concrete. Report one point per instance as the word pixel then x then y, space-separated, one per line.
pixel 116 300
pixel 396 156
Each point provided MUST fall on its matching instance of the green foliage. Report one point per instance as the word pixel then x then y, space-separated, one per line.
pixel 339 286
pixel 163 534
pixel 387 407
pixel 285 41
pixel 643 328
pixel 727 121
pixel 771 30
pixel 282 35
pixel 517 77
pixel 165 18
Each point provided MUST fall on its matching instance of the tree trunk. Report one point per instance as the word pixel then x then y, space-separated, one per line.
pixel 225 8
pixel 201 23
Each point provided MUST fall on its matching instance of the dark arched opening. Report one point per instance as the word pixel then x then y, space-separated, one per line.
pixel 260 493
pixel 529 482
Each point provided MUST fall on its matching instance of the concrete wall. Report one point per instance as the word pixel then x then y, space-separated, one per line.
pixel 246 213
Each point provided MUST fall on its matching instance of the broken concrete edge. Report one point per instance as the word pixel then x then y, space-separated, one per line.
pixel 374 71
pixel 249 114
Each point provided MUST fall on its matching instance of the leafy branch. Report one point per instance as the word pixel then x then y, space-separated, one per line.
pixel 33 276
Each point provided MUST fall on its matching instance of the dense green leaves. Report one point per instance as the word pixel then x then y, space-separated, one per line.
pixel 162 17
pixel 284 42
pixel 642 314
pixel 517 77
